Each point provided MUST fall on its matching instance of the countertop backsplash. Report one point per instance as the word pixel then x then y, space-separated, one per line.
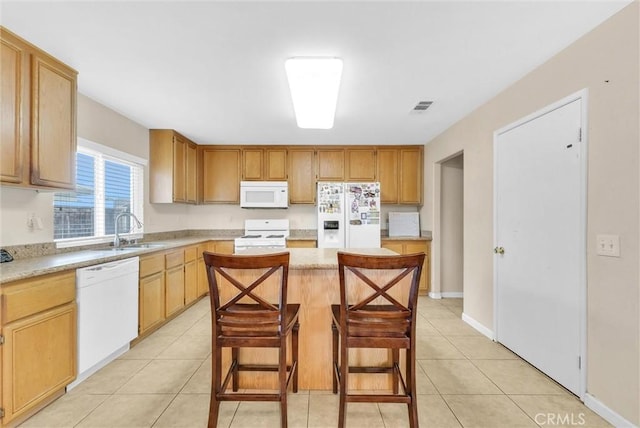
pixel 49 248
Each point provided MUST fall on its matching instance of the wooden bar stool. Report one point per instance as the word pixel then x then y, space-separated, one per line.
pixel 369 317
pixel 242 317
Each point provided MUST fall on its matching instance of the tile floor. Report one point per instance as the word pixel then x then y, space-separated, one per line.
pixel 464 380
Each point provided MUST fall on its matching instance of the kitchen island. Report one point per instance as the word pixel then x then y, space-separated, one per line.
pixel 314 284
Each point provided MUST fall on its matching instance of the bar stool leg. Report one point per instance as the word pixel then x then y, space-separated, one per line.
pixel 282 375
pixel 411 385
pixel 344 370
pixel 395 352
pixel 334 331
pixel 214 403
pixel 234 359
pixel 294 355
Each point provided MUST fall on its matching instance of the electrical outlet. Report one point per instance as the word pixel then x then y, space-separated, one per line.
pixel 608 245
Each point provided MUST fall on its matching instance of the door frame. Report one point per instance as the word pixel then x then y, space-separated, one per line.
pixel 583 96
pixel 435 291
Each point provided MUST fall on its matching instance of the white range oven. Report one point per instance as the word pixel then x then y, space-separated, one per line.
pixel 263 234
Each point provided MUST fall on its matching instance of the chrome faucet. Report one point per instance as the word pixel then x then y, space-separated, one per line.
pixel 116 239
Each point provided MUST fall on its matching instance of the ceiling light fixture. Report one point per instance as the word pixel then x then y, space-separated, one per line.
pixel 314 84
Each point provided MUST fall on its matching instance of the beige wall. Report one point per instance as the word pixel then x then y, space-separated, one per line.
pixel 232 216
pixel 16 207
pixel 102 125
pixel 98 124
pixel 451 226
pixel 606 62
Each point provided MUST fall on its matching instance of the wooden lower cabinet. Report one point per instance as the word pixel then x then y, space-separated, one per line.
pixel 190 275
pixel 201 274
pixel 411 246
pixel 396 246
pixel 223 247
pixel 172 280
pixel 39 354
pixel 152 292
pixel 39 358
pixel 302 243
pixel 151 301
pixel 174 283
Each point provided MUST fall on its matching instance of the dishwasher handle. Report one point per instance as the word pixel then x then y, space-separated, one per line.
pixel 111 265
pixel 94 274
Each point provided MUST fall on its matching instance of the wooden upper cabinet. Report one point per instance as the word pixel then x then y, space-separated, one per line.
pixel 38 101
pixel 191 175
pixel 411 183
pixel 13 135
pixel 252 166
pixel 172 167
pixel 53 125
pixel 179 169
pixel 302 176
pixel 275 163
pixel 220 175
pixel 360 164
pixel 264 164
pixel 330 164
pixel 387 174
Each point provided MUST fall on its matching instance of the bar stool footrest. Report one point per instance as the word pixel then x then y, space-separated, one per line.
pixel 382 398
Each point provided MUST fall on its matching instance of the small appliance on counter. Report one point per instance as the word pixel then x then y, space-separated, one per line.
pixel 5 256
pixel 404 224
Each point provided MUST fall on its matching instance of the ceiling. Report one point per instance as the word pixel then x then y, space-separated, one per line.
pixel 214 70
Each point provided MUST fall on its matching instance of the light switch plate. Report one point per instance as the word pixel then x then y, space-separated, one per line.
pixel 608 245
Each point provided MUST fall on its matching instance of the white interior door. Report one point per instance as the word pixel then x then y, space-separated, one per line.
pixel 540 224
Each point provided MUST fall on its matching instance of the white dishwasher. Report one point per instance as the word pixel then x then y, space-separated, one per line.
pixel 107 297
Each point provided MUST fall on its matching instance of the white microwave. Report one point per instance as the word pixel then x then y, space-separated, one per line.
pixel 264 194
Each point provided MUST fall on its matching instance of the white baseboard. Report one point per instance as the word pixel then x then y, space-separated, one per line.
pixel 435 295
pixel 606 413
pixel 475 324
pixel 452 294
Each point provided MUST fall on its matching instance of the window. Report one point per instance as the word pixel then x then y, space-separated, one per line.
pixel 108 183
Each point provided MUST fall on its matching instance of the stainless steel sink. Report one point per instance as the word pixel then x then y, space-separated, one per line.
pixel 131 247
pixel 144 245
pixel 111 249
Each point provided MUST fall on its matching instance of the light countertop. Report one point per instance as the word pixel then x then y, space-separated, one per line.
pixel 35 266
pixel 320 258
pixel 301 258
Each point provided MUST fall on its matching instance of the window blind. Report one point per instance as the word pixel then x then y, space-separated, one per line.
pixel 105 187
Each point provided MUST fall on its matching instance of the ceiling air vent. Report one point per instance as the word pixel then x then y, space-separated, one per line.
pixel 421 107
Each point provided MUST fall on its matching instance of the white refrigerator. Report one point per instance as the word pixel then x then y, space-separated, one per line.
pixel 348 215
